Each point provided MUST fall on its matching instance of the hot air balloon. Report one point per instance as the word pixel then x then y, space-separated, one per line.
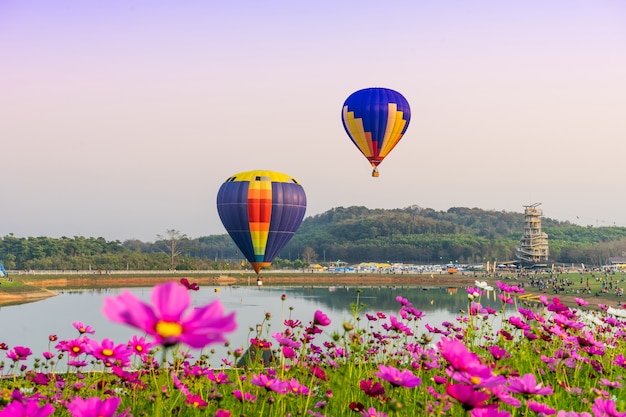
pixel 261 211
pixel 376 119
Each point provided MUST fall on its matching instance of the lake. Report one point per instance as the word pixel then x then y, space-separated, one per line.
pixel 31 324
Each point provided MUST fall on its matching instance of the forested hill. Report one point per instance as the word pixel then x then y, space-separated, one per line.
pixel 352 234
pixel 422 235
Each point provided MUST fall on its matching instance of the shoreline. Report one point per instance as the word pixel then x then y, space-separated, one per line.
pixel 45 288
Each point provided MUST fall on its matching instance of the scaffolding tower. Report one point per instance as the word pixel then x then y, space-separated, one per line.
pixel 533 249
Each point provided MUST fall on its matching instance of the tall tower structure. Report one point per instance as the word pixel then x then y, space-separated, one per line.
pixel 533 248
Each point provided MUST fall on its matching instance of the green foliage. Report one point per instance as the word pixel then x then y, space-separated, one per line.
pixel 352 234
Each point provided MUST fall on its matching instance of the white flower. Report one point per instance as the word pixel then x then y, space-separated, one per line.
pixel 481 284
pixel 619 312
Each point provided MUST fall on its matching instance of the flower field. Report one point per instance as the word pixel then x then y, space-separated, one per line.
pixel 545 359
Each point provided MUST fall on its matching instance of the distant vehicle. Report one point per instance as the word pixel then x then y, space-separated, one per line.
pixel 452 269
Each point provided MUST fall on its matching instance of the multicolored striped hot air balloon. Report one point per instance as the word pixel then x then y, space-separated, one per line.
pixel 261 211
pixel 376 119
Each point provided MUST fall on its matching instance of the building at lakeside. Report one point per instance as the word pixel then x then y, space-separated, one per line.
pixel 533 249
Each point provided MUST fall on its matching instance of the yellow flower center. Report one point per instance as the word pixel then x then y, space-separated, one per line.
pixel 139 348
pixel 475 380
pixel 107 352
pixel 167 329
pixel 75 349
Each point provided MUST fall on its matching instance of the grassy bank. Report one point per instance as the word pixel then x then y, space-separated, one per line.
pixel 595 287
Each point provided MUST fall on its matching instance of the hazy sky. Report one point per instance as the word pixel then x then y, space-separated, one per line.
pixel 121 119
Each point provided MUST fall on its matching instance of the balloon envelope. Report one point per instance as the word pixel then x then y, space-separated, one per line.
pixel 375 119
pixel 261 211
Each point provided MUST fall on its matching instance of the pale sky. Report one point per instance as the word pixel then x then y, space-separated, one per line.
pixel 121 119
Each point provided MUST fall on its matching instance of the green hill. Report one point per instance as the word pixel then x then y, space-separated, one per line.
pixel 351 234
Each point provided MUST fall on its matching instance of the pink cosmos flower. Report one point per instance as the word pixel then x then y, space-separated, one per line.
pixel 26 409
pixel 527 385
pixel 95 407
pixel 320 318
pixel 371 388
pixel 196 401
pixel 398 378
pixel 19 353
pixel 110 353
pixel 398 326
pixel 457 355
pixel 609 383
pixel 540 408
pixel 580 301
pixel 82 329
pixel 74 347
pixel 295 387
pixel 286 341
pixel 244 396
pixel 489 412
pixel 467 395
pixel 166 319
pixel 270 384
pixel 372 412
pixel 140 346
pixel 192 286
pixel 606 408
pixel 497 352
pixel 222 413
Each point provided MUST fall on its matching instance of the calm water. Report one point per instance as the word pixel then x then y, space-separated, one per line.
pixel 30 324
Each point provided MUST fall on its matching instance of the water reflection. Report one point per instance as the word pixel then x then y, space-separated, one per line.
pixel 31 324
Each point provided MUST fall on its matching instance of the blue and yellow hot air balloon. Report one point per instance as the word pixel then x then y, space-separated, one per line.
pixel 261 211
pixel 376 119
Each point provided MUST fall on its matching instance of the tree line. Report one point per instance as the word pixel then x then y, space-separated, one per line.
pixel 353 234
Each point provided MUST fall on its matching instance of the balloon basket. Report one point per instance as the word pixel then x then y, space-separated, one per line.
pixel 375 173
pixel 259 282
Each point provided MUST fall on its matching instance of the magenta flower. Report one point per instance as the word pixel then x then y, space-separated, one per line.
pixel 540 408
pixel 82 329
pixel 606 408
pixel 166 319
pixel 192 286
pixel 610 384
pixel 527 385
pixel 372 412
pixel 139 346
pixel 110 353
pixel 320 318
pixel 286 341
pixel 19 353
pixel 26 409
pixel 398 378
pixel 295 387
pixel 457 355
pixel 196 401
pixel 467 395
pixel 397 325
pixel 497 352
pixel 580 301
pixel 95 407
pixel 489 412
pixel 74 347
pixel 371 388
pixel 270 384
pixel 244 396
pixel 222 413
